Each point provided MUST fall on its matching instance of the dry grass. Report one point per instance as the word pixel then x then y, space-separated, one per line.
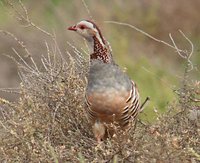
pixel 48 123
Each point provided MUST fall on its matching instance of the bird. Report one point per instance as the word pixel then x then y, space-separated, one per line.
pixel 111 96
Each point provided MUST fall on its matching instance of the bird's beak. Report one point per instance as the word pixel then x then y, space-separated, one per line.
pixel 72 28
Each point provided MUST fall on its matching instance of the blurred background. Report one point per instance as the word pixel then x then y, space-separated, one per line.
pixel 156 69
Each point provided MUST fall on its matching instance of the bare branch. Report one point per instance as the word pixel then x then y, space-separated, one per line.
pixel 186 55
pixel 11 90
pixel 48 53
pixel 22 45
pixel 191 44
pixel 44 64
pixel 174 46
pixel 12 58
pixel 27 65
pixel 26 18
pixel 17 40
pixel 87 9
pixel 144 33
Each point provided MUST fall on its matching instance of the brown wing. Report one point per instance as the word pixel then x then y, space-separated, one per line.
pixel 113 106
pixel 132 107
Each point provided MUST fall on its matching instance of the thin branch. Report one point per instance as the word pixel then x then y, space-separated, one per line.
pixel 6 102
pixel 163 42
pixel 44 65
pixel 12 58
pixel 27 19
pixel 22 45
pixel 191 44
pixel 191 52
pixel 187 56
pixel 181 55
pixel 24 8
pixel 10 90
pixel 87 9
pixel 144 33
pixel 48 53
pixel 17 40
pixel 27 65
pixel 76 51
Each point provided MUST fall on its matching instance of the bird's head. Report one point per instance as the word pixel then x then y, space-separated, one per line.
pixel 98 46
pixel 87 29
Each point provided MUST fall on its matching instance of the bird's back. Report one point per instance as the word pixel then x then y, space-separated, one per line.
pixel 107 77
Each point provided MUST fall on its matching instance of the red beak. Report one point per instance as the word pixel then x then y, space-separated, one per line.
pixel 72 28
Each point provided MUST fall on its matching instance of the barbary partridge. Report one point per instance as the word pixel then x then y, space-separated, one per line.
pixel 111 95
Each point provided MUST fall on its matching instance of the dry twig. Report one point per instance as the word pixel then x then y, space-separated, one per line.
pixel 182 53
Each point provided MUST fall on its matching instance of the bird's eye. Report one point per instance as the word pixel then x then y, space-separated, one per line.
pixel 82 27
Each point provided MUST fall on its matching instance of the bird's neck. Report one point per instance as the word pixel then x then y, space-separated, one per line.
pixel 99 49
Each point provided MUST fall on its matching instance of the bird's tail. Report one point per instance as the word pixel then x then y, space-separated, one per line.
pixel 144 104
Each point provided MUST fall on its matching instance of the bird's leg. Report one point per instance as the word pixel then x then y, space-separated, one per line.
pixel 99 130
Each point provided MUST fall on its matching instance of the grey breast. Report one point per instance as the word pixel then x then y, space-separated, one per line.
pixel 107 77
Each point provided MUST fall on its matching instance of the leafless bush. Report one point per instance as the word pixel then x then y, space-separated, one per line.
pixel 48 123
